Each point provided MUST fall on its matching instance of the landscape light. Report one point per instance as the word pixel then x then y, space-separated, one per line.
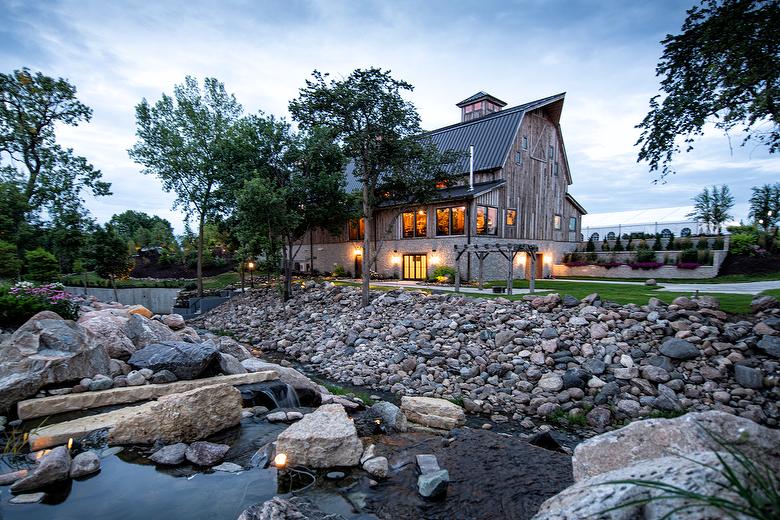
pixel 70 443
pixel 280 461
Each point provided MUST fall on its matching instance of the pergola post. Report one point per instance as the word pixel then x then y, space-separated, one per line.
pixel 481 258
pixel 532 274
pixel 457 268
pixel 510 273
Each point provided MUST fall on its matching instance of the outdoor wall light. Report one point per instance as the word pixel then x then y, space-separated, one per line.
pixel 395 259
pixel 435 259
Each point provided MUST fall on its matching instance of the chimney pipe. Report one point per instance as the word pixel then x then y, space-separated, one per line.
pixel 471 167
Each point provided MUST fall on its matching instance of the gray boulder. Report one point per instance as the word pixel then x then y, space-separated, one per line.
pixel 174 321
pixel 55 466
pixel 392 417
pixel 203 453
pixel 143 332
pixel 109 327
pixel 433 484
pixel 770 345
pixel 170 455
pixel 47 350
pixel 84 464
pixel 184 360
pixel 677 348
pixel 228 345
pixel 748 377
pixel 294 508
pixel 230 365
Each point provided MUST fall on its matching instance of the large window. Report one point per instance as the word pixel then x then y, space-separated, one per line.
pixel 487 220
pixel 415 224
pixel 357 229
pixel 451 221
pixel 556 222
pixel 511 217
pixel 572 223
pixel 550 152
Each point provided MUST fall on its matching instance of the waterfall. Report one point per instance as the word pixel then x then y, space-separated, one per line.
pixel 271 394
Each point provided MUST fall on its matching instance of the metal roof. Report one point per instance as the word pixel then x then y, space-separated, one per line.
pixel 457 192
pixel 492 136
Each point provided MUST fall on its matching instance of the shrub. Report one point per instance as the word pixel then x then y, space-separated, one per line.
pixel 339 271
pixel 618 245
pixel 657 246
pixel 670 242
pixel 703 243
pixel 590 246
pixel 743 244
pixel 630 245
pixel 644 255
pixel 20 302
pixel 689 255
pixel 646 265
pixel 444 274
pixel 704 257
pixel 718 244
pixel 685 243
pixel 9 260
pixel 41 266
pixel 605 245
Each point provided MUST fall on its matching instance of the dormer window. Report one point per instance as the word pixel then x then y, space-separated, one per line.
pixel 479 105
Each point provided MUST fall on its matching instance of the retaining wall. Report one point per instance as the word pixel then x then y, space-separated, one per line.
pixel 157 300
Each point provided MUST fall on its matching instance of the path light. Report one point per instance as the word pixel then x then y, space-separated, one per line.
pixel 280 461
pixel 251 266
pixel 70 443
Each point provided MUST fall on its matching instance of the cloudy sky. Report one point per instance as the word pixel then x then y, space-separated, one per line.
pixel 601 53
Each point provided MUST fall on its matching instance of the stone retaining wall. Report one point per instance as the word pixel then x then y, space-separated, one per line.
pixel 157 299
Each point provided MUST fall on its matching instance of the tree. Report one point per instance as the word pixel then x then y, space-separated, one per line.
pixel 299 186
pixel 12 210
pixel 40 265
pixel 702 208
pixel 107 255
pixel 765 205
pixel 723 68
pixel 183 141
pixel 67 233
pixel 144 230
pixel 722 202
pixel 31 107
pixel 9 260
pixel 380 132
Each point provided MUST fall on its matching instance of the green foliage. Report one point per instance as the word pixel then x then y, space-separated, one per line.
pixel 718 244
pixel 444 273
pixel 339 271
pixel 657 245
pixel 670 243
pixel 765 205
pixel 743 244
pixel 702 243
pixel 32 106
pixel 618 245
pixel 590 246
pixel 712 207
pixel 20 302
pixel 754 482
pixel 144 230
pixel 40 265
pixel 723 69
pixel 704 257
pixel 13 206
pixel 107 254
pixel 10 264
pixel 643 254
pixel 689 255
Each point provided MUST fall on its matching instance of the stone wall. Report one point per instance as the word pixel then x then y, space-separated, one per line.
pixel 625 271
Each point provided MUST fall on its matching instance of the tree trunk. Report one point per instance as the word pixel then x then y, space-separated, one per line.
pixel 286 269
pixel 368 229
pixel 84 279
pixel 201 222
pixel 113 284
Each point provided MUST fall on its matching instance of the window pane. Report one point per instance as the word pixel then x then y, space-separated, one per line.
pixel 443 221
pixel 422 221
pixel 557 221
pixel 353 229
pixel 525 143
pixel 511 215
pixel 492 221
pixel 408 225
pixel 550 151
pixel 459 220
pixel 572 223
pixel 481 220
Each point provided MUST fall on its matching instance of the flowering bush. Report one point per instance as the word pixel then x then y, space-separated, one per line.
pixel 23 300
pixel 688 265
pixel 646 265
pixel 576 264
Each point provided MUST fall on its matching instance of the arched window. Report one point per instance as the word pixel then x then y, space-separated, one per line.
pixel 595 237
pixel 666 233
pixel 611 235
pixel 685 232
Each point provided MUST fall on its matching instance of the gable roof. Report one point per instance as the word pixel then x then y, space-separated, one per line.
pixel 492 136
pixel 481 95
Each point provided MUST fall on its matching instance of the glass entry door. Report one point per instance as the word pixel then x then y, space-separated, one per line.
pixel 415 267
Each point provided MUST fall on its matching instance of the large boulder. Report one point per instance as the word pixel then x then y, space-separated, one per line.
pixel 184 360
pixel 109 327
pixel 53 467
pixel 325 438
pixel 183 417
pixel 142 331
pixel 228 345
pixel 47 350
pixel 433 412
pixel 294 508
pixel 654 438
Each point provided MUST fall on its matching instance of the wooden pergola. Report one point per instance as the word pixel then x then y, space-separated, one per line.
pixel 508 251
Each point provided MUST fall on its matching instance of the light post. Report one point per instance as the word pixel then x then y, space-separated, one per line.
pixel 251 266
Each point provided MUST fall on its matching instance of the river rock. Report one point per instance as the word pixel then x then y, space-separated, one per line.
pixel 377 467
pixel 230 365
pixel 170 455
pixel 653 438
pixel 770 345
pixel 228 345
pixel 392 417
pixel 203 453
pixel 9 478
pixel 140 310
pixel 324 438
pixel 433 412
pixel 53 467
pixel 174 321
pixel 763 303
pixel 183 417
pixel 184 360
pixel 676 348
pixel 433 484
pixel 84 464
pixel 748 377
pixel 28 498
pixel 47 350
pixel 294 508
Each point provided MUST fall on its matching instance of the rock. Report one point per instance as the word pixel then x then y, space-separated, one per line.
pixel 655 374
pixel 228 345
pixel 183 417
pixel 135 378
pixel 335 475
pixel 392 417
pixel 650 282
pixel 230 365
pixel 653 438
pixel 547 409
pixel 278 508
pixel 433 484
pixel 47 350
pixel 109 328
pixel 143 331
pixel 763 303
pixel 748 377
pixel 324 438
pixel 287 375
pixel 676 348
pixel 433 412
pixel 770 345
pixel 570 301
pixel 9 478
pixel 174 321
pixel 163 377
pixel 377 467
pixel 504 337
pixel 203 453
pixel 84 463
pixel 427 463
pixel 598 331
pixel 628 407
pixel 100 382
pixel 599 417
pixel 170 455
pixel 667 400
pixel 53 467
pixel 184 360
pixel 550 382
pixel 140 310
pixel 29 498
pixel 685 303
pixel 228 467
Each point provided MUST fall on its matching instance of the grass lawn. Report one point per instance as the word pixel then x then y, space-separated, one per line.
pixel 727 278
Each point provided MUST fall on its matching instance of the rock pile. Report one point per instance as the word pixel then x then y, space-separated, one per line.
pixel 537 358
